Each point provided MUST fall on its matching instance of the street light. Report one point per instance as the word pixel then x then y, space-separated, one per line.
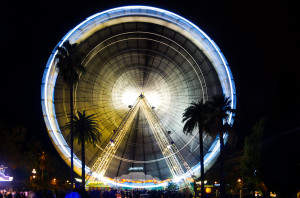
pixel 53 182
pixel 240 181
pixel 33 173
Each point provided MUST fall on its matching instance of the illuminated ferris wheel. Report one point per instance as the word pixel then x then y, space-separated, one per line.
pixel 144 67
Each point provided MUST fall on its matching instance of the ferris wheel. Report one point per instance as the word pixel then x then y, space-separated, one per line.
pixel 144 67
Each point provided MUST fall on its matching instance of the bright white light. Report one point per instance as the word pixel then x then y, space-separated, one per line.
pixel 98 176
pixel 153 98
pixel 112 143
pixel 77 179
pixel 177 179
pixel 129 97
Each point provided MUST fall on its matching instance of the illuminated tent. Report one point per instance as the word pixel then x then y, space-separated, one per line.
pixel 3 177
pixel 129 51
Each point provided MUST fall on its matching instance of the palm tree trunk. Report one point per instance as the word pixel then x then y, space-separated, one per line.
pixel 83 159
pixel 222 176
pixel 201 162
pixel 71 134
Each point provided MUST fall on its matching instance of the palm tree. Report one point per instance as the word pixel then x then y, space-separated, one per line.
pixel 195 116
pixel 86 131
pixel 69 65
pixel 220 110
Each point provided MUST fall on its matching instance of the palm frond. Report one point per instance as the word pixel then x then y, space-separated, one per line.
pixel 86 124
pixel 69 63
pixel 194 116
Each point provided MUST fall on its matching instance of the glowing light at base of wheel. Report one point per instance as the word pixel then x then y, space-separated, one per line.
pixel 206 44
pixel 131 184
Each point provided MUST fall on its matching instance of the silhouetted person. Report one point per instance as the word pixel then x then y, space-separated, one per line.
pixel 49 194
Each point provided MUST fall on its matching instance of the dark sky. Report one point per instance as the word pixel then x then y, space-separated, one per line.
pixel 258 40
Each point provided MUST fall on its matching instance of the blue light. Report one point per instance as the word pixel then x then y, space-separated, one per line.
pixel 204 41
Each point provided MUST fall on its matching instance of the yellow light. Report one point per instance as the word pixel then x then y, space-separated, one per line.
pixel 239 180
pixel 208 190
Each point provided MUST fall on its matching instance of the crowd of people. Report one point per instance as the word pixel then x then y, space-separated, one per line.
pixel 16 194
pixel 135 193
pixel 96 193
pixel 32 194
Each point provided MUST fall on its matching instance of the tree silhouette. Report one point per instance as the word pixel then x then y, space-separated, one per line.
pixel 69 65
pixel 86 131
pixel 217 124
pixel 196 116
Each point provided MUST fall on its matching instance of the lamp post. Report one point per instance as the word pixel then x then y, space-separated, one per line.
pixel 240 182
pixel 33 173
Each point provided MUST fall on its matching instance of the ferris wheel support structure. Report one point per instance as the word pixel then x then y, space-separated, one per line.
pixel 166 145
pixel 100 166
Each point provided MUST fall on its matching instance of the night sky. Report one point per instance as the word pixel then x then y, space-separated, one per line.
pixel 259 41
